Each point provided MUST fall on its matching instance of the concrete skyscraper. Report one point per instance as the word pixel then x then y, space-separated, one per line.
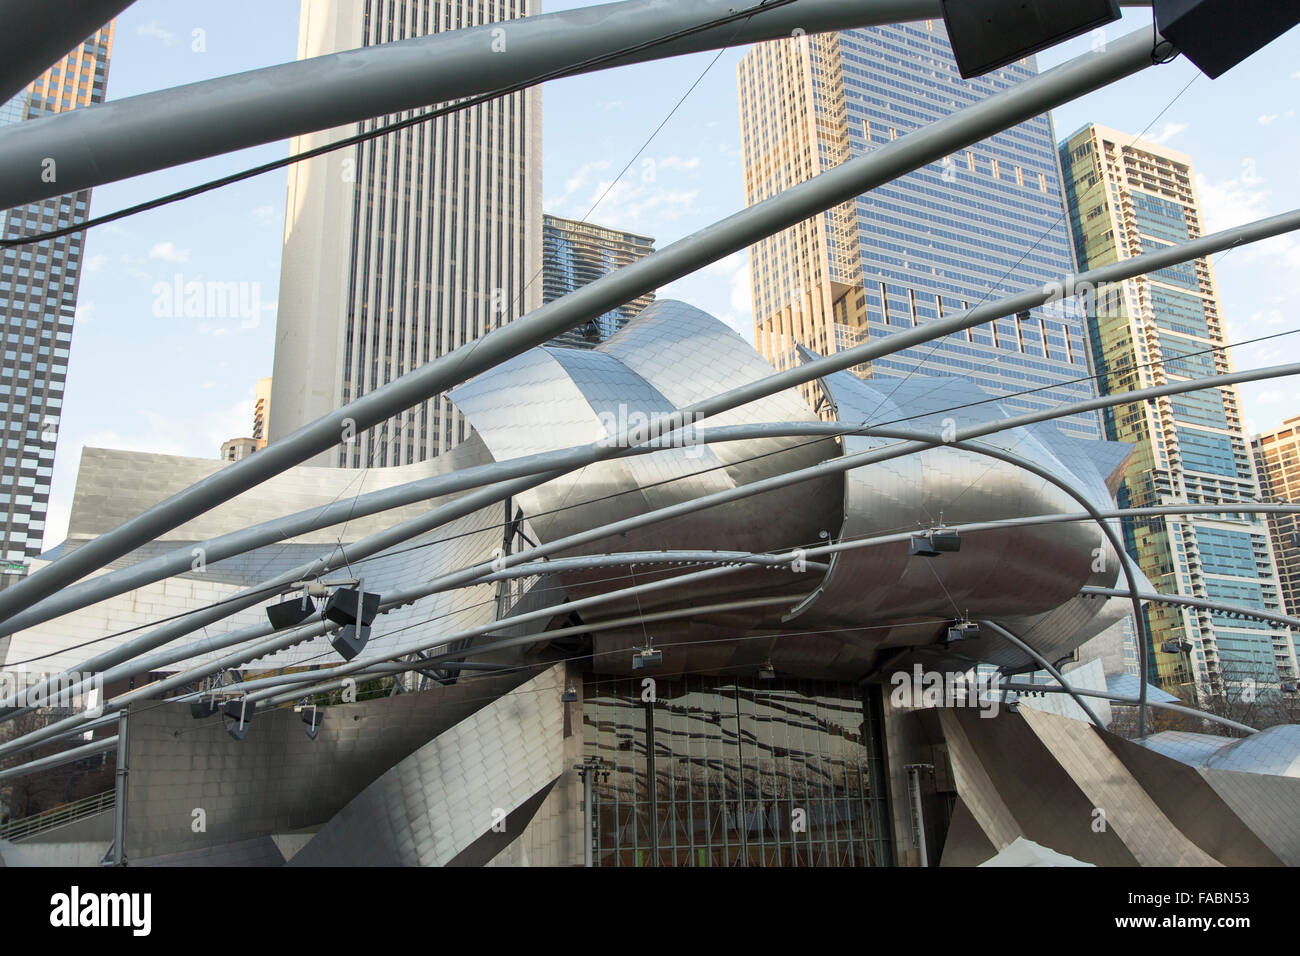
pixel 402 248
pixel 575 253
pixel 981 224
pixel 1125 197
pixel 38 300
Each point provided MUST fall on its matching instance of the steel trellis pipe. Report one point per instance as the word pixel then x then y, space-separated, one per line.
pixel 60 758
pixel 596 561
pixel 103 586
pixel 152 131
pixel 1046 665
pixel 927 441
pixel 438 516
pixel 1123 57
pixel 27 743
pixel 1020 687
pixel 1285 620
pixel 912 441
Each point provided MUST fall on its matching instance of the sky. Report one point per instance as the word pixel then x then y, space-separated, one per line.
pixel 143 377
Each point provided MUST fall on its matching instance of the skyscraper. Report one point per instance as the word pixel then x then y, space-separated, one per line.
pixel 1126 197
pixel 575 253
pixel 981 224
pixel 261 408
pixel 402 248
pixel 38 300
pixel 1277 458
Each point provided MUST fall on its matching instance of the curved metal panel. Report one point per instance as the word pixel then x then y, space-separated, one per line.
pixel 670 356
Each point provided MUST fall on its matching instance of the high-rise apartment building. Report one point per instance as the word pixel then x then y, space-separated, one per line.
pixel 38 300
pixel 575 253
pixel 1277 459
pixel 1127 197
pixel 981 224
pixel 261 409
pixel 405 247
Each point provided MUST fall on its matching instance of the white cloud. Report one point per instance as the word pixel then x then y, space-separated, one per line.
pixel 95 263
pixel 156 31
pixel 85 313
pixel 565 204
pixel 678 162
pixel 1231 202
pixel 264 215
pixel 168 252
pixel 1167 132
pixel 639 206
pixel 1268 118
pixel 1272 318
pixel 641 201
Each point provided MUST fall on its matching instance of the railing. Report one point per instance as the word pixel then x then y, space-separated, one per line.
pixel 57 817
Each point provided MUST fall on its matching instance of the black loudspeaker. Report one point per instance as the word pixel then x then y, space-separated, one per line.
pixel 241 715
pixel 342 607
pixel 350 641
pixel 921 547
pixel 1216 35
pixel 202 708
pixel 291 612
pixel 945 541
pixel 312 717
pixel 987 34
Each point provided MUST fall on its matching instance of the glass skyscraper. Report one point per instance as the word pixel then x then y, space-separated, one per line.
pixel 1127 197
pixel 575 253
pixel 1277 457
pixel 983 223
pixel 38 300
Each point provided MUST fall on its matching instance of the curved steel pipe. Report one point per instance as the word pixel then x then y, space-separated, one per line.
pixel 1122 57
pixel 81 595
pixel 911 441
pixel 152 131
pixel 401 532
pixel 108 585
pixel 1131 701
pixel 232 638
pixel 1046 665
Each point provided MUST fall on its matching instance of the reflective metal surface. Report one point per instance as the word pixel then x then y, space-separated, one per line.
pixel 433 805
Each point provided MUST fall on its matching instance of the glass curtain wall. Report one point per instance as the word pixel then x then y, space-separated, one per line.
pixel 746 773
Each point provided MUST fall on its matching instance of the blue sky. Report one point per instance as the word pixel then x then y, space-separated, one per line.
pixel 142 379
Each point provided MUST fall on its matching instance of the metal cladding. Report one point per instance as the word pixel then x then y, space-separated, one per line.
pixel 1274 751
pixel 1165 804
pixel 672 355
pixel 481 772
pixel 462 785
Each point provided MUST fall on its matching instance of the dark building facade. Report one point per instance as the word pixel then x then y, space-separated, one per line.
pixel 38 301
